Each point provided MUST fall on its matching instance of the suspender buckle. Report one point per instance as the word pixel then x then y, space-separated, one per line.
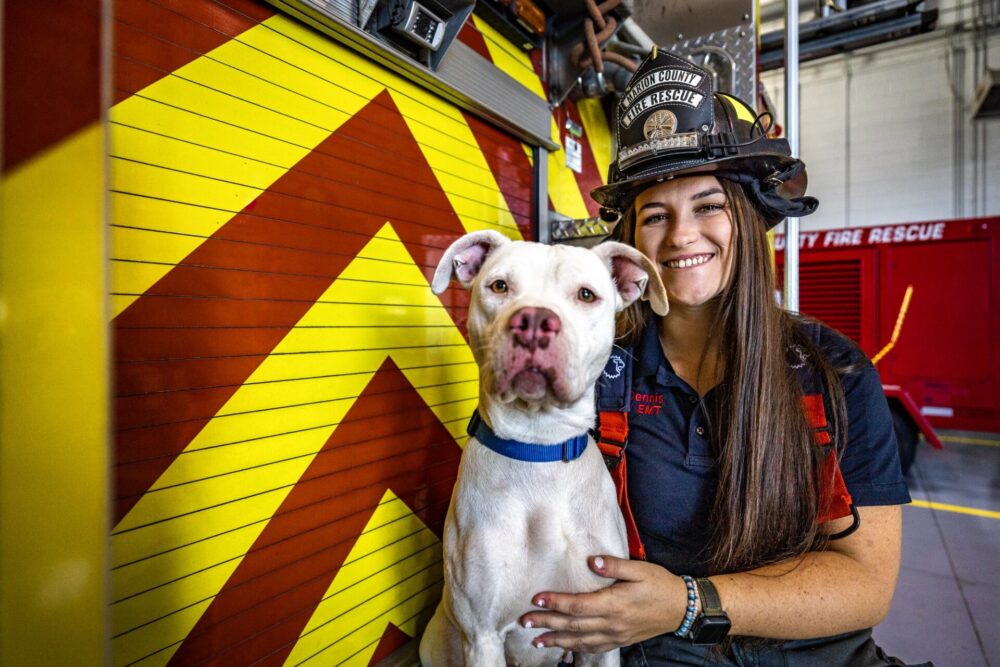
pixel 613 451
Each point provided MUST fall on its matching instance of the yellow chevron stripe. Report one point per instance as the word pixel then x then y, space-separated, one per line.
pixel 478 202
pixel 54 405
pixel 563 190
pixel 509 58
pixel 394 571
pixel 196 147
pixel 151 548
pixel 595 125
pixel 208 135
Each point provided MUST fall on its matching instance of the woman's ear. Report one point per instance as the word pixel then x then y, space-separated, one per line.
pixel 465 257
pixel 635 275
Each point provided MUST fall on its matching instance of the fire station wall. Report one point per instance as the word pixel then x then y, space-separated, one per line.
pixel 290 398
pixel 888 135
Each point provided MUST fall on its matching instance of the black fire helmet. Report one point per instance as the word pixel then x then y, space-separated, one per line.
pixel 670 122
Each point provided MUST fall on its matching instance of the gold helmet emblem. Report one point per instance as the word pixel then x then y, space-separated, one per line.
pixel 659 125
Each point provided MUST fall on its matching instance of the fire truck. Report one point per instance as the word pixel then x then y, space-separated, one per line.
pixel 232 408
pixel 921 299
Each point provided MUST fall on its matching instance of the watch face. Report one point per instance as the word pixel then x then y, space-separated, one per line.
pixel 710 629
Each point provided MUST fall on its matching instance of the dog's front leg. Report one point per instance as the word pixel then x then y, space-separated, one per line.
pixel 609 659
pixel 484 650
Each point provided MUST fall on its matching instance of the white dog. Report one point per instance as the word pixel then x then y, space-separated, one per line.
pixel 541 325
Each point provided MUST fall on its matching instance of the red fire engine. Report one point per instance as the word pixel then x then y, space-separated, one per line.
pixel 941 370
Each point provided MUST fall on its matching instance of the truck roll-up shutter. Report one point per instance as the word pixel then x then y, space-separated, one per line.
pixel 831 292
pixel 837 288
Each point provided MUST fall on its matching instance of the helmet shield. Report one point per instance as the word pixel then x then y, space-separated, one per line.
pixel 670 122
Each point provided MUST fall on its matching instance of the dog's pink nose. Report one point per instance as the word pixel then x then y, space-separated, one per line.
pixel 534 328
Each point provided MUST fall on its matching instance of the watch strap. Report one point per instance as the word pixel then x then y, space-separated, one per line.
pixel 711 605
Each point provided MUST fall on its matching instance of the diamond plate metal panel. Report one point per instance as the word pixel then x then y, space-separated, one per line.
pixel 730 54
pixel 563 229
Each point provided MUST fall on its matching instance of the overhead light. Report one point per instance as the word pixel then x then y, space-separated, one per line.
pixel 988 96
pixel 529 15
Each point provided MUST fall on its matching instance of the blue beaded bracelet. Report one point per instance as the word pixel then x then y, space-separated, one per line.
pixel 692 607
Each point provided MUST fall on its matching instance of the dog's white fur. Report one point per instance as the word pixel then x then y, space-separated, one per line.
pixel 515 528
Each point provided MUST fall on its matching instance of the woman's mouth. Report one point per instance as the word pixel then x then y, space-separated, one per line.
pixel 688 262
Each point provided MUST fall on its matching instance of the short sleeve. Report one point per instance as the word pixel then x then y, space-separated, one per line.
pixel 870 461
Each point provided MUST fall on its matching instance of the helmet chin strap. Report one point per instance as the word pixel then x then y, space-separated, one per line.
pixel 764 193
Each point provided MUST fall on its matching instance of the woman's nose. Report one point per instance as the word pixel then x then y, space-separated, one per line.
pixel 683 231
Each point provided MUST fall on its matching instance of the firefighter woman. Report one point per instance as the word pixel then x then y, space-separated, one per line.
pixel 763 482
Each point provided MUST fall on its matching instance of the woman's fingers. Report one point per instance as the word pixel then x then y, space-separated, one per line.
pixel 618 568
pixel 594 642
pixel 556 621
pixel 574 604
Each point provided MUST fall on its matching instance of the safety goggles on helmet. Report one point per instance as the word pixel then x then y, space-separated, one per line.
pixel 669 122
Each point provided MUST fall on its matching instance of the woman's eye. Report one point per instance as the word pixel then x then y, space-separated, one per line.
pixel 498 287
pixel 655 219
pixel 710 208
pixel 586 295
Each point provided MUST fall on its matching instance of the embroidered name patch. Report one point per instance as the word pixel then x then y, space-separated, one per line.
pixel 658 77
pixel 647 404
pixel 659 98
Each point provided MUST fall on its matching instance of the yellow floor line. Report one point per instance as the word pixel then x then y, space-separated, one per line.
pixel 970 441
pixel 945 507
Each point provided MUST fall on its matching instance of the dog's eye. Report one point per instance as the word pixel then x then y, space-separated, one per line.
pixel 586 295
pixel 499 286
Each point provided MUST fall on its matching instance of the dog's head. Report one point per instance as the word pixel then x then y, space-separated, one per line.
pixel 541 320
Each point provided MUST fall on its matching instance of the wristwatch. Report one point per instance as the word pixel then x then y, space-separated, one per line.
pixel 712 624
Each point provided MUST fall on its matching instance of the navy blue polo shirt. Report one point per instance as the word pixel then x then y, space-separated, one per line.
pixel 672 473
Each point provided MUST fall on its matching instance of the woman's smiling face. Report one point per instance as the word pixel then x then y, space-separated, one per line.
pixel 684 225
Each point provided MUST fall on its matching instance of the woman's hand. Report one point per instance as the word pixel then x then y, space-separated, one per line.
pixel 645 601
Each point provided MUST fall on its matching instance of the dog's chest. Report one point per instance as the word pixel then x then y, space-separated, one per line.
pixel 544 519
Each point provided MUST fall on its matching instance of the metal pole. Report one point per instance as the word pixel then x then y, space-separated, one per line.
pixel 540 194
pixel 791 295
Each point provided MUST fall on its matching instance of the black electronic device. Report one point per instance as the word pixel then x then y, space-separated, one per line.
pixel 712 624
pixel 423 29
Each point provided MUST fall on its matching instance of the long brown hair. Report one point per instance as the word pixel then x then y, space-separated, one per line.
pixel 767 500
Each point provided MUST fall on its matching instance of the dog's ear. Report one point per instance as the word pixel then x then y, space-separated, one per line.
pixel 465 257
pixel 634 275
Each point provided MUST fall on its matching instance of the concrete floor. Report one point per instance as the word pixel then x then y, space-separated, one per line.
pixel 947 604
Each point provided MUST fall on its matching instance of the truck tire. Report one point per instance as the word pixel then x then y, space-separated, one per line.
pixel 906 438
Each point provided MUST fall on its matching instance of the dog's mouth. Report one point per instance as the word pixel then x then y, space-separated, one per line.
pixel 532 381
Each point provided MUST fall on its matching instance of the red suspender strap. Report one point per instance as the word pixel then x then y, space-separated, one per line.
pixel 835 499
pixel 612 442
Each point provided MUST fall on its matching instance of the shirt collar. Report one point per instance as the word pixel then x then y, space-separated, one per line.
pixel 648 353
pixel 650 359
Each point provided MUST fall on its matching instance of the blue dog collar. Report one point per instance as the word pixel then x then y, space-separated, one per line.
pixel 525 451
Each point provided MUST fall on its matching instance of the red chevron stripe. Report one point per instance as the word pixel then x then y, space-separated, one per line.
pixel 263 270
pixel 51 74
pixel 392 639
pixel 472 38
pixel 388 440
pixel 511 169
pixel 169 34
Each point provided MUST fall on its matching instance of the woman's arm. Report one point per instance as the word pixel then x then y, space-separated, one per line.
pixel 847 587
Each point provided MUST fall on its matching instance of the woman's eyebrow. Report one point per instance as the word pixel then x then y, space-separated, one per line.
pixel 652 204
pixel 700 195
pixel 706 193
